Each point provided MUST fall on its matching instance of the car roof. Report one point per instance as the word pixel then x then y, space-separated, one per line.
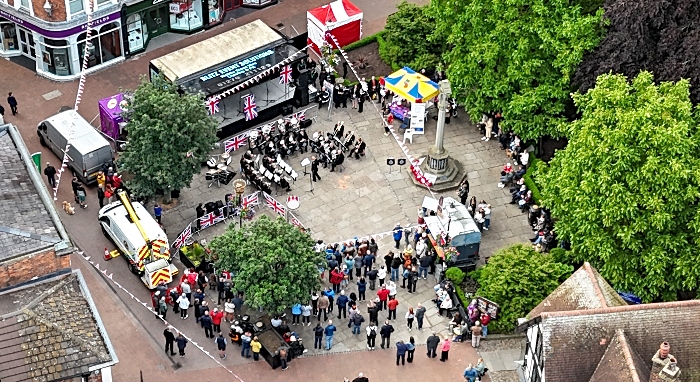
pixel 83 136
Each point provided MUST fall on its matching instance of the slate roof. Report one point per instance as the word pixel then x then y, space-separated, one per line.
pixel 620 363
pixel 25 224
pixel 575 342
pixel 53 334
pixel 584 289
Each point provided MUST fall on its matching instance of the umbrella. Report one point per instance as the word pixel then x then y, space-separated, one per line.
pixel 412 86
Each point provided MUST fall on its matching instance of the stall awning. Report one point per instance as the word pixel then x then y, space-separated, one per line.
pixel 412 86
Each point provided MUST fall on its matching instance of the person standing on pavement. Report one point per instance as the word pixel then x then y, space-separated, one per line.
pixel 372 276
pixel 410 315
pixel 361 289
pixel 169 340
pixel 371 335
pixel 485 320
pixel 329 331
pixel 50 173
pixel 181 343
pixel 323 304
pixel 476 334
pixel 101 199
pixel 410 349
pixel 356 320
pixel 342 302
pixel 373 311
pixel 246 339
pixel 306 315
pixel 420 314
pixel 385 332
pixel 401 350
pixel 398 234
pixel 318 336
pixel 383 295
pixel 314 169
pixel 463 192
pixel 470 373
pixel 12 101
pixel 157 211
pixel 282 353
pixel 207 324
pixel 162 307
pixel 183 303
pixel 255 346
pixel 221 345
pixel 381 274
pixel 432 343
pixel 445 348
pixel 216 317
pixel 395 265
pixel 392 304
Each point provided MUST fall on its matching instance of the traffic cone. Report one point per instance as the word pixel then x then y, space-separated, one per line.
pixel 108 256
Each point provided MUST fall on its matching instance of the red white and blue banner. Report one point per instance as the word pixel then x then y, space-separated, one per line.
pixel 184 235
pixel 286 74
pixel 212 105
pixel 236 142
pixel 250 200
pixel 276 206
pixel 250 108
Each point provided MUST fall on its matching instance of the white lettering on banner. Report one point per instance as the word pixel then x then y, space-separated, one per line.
pixel 95 23
pixel 237 68
pixel 12 17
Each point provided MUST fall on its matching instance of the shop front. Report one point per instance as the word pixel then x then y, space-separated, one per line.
pixel 58 53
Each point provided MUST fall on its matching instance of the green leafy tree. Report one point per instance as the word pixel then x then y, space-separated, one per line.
pixel 170 135
pixel 410 39
pixel 517 279
pixel 625 191
pixel 272 261
pixel 516 57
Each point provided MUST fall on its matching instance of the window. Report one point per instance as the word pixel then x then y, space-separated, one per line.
pixel 186 15
pixel 55 57
pixel 8 36
pixel 76 6
pixel 104 46
pixel 24 3
pixel 100 2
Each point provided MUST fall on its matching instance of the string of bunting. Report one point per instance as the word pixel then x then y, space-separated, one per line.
pixel 150 309
pixel 415 164
pixel 78 98
pixel 240 140
pixel 256 78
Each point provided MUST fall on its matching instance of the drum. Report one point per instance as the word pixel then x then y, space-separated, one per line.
pixel 293 202
pixel 225 156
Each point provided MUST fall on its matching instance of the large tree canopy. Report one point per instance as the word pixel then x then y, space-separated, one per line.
pixel 658 36
pixel 625 191
pixel 518 278
pixel 411 40
pixel 516 57
pixel 273 263
pixel 170 135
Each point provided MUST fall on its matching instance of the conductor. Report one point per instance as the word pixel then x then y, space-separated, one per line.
pixel 314 168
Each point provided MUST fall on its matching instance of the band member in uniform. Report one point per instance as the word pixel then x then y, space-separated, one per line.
pixel 359 148
pixel 314 168
pixel 337 158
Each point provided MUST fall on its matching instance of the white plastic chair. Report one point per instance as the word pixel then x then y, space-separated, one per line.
pixel 408 134
pixel 294 175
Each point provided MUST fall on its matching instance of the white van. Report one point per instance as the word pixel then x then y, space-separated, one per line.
pixel 88 151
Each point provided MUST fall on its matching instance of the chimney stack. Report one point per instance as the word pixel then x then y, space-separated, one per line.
pixel 664 366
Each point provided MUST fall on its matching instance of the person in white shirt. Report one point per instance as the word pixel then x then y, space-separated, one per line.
pixel 183 303
pixel 381 274
pixel 391 286
pixel 372 331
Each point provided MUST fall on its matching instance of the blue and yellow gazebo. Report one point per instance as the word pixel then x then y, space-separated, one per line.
pixel 412 86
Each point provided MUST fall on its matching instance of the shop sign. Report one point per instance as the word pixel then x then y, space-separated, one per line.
pixel 488 306
pixel 237 68
pixel 60 34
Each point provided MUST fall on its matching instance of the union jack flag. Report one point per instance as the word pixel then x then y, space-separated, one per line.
pixel 250 200
pixel 286 75
pixel 296 221
pixel 235 143
pixel 250 109
pixel 212 105
pixel 221 217
pixel 207 220
pixel 275 205
pixel 186 234
pixel 300 116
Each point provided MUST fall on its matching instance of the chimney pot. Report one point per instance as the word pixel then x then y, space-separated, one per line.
pixel 664 349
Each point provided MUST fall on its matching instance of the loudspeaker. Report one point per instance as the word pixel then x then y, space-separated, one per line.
pixel 210 207
pixel 304 77
pixel 301 96
pixel 219 205
pixel 287 109
pixel 305 123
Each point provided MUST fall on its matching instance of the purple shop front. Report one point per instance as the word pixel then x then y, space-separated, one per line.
pixel 111 119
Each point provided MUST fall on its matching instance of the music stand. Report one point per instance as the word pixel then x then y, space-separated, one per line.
pixel 305 162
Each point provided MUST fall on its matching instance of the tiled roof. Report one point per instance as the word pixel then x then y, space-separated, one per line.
pixel 576 341
pixel 584 289
pixel 22 212
pixel 620 363
pixel 53 334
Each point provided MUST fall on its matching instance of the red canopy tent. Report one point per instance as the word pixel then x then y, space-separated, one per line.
pixel 342 18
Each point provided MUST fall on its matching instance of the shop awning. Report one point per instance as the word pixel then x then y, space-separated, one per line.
pixel 412 86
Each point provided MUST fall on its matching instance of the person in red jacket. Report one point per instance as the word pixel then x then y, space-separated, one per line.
pixel 216 317
pixel 383 295
pixel 485 319
pixel 392 304
pixel 336 278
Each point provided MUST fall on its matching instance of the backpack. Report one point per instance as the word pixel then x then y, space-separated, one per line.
pixel 221 341
pixel 373 333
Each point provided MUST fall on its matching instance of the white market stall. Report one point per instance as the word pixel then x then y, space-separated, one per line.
pixel 342 18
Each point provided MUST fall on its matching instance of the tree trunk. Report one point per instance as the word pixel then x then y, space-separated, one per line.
pixel 167 199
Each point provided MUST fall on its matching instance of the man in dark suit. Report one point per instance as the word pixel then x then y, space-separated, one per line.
pixel 314 168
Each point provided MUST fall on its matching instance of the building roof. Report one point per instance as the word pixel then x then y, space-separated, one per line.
pixel 620 363
pixel 584 289
pixel 25 223
pixel 585 335
pixel 216 50
pixel 54 332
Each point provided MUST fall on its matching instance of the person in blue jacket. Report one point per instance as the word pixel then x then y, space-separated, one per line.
pixel 329 332
pixel 398 234
pixel 296 313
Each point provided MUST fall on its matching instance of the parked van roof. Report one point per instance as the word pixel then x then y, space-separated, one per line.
pixel 81 134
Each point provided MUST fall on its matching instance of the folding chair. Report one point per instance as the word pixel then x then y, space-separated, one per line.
pixel 408 134
pixel 288 169
pixel 294 176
